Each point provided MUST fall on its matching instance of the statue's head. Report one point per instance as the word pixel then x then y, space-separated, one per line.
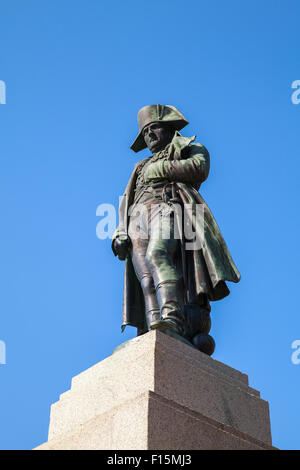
pixel 157 135
pixel 157 124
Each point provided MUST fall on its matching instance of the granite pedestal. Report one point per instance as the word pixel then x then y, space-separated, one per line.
pixel 158 393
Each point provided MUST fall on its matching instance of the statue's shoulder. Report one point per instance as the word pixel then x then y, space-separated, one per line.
pixel 186 146
pixel 195 147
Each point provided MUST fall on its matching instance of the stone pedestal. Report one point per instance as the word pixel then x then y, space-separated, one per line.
pixel 158 393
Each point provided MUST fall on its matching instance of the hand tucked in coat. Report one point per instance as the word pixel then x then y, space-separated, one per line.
pixel 193 169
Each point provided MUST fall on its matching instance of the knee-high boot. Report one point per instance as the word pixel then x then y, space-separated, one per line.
pixel 170 298
pixel 152 310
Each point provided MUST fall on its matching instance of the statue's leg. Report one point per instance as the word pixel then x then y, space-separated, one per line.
pixel 161 254
pixel 138 254
pixel 152 310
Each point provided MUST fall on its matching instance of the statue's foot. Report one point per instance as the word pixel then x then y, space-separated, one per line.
pixel 165 325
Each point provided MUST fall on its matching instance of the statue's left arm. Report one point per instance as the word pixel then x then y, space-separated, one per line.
pixel 192 169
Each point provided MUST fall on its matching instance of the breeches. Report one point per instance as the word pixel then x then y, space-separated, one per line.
pixel 155 250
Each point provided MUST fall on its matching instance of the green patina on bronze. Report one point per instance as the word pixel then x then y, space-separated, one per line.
pixel 183 165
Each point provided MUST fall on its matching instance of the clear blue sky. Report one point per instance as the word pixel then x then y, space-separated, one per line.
pixel 76 74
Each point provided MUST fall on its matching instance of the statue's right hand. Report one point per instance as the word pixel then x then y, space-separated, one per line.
pixel 122 246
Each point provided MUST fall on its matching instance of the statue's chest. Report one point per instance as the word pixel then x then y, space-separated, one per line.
pixel 140 181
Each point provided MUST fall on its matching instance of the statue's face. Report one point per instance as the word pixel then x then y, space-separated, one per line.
pixel 157 135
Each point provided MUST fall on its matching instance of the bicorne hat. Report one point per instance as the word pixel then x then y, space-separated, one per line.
pixel 157 113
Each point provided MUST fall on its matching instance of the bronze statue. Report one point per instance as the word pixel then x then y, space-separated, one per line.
pixel 167 285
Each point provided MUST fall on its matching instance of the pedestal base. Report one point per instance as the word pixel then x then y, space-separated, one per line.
pixel 158 393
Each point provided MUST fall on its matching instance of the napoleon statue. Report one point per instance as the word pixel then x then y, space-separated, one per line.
pixel 169 280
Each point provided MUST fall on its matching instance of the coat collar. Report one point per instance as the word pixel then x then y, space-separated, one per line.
pixel 177 145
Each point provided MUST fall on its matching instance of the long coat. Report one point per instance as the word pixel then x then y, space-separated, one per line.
pixel 209 267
